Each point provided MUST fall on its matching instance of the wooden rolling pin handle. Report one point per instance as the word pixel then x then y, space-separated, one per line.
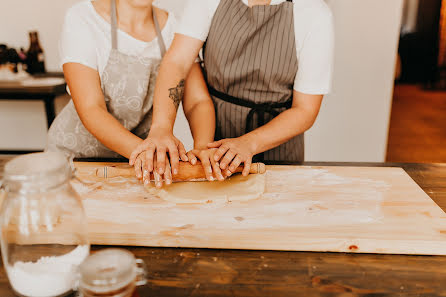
pixel 187 171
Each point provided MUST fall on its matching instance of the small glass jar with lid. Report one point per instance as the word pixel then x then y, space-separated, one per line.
pixel 44 236
pixel 111 273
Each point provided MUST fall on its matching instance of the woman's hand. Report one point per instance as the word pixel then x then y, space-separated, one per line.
pixel 152 153
pixel 145 175
pixel 232 152
pixel 210 166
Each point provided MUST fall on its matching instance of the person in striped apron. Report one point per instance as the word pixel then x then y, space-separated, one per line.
pixel 268 64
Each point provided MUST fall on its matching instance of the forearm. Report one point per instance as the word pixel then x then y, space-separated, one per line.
pixel 169 93
pixel 110 132
pixel 285 126
pixel 202 124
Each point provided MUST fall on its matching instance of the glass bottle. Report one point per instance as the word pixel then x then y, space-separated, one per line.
pixel 111 273
pixel 35 56
pixel 43 226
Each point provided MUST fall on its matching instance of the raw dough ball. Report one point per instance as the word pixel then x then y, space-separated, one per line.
pixel 237 188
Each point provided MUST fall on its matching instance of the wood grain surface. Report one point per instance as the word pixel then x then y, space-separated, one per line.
pixel 304 208
pixel 208 272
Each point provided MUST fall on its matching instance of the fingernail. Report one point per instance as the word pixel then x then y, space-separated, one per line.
pixel 146 173
pixel 209 170
pixel 158 185
pixel 146 182
pixel 160 171
pixel 216 158
pixel 212 178
pixel 175 171
pixel 168 182
pixel 194 161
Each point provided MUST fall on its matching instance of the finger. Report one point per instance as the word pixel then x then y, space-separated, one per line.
pixel 230 154
pixel 149 154
pixel 226 173
pixel 143 166
pixel 247 167
pixel 192 158
pixel 220 152
pixel 138 150
pixel 137 167
pixel 217 170
pixel 207 169
pixel 160 160
pixel 235 163
pixel 215 144
pixel 168 174
pixel 158 179
pixel 182 152
pixel 174 159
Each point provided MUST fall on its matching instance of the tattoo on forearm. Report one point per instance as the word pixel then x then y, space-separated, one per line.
pixel 177 93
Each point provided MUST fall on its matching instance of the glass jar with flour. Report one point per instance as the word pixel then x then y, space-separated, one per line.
pixel 44 236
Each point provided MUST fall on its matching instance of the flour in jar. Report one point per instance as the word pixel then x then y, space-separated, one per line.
pixel 49 276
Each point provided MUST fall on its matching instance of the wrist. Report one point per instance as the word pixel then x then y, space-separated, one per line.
pixel 161 128
pixel 201 145
pixel 253 144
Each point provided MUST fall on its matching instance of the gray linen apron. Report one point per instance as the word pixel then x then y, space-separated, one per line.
pixel 250 64
pixel 128 84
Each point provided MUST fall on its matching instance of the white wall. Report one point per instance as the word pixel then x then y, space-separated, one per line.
pixel 353 122
pixel 354 119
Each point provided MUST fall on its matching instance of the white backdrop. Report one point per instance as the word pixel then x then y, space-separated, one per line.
pixel 353 123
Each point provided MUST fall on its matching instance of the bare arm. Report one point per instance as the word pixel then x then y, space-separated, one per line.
pixel 85 88
pixel 198 108
pixel 290 123
pixel 170 82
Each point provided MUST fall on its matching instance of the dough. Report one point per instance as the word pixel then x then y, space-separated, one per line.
pixel 236 188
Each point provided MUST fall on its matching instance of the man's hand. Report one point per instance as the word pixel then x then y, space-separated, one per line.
pixel 210 166
pixel 232 152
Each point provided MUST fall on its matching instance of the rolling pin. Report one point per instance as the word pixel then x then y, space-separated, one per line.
pixel 187 171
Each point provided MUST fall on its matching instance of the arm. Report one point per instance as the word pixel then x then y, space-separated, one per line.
pixel 171 78
pixel 290 123
pixel 85 88
pixel 169 91
pixel 198 108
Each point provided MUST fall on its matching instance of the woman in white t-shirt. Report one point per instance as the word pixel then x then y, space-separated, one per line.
pixel 268 64
pixel 111 51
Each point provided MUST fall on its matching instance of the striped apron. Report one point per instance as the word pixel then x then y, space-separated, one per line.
pixel 250 65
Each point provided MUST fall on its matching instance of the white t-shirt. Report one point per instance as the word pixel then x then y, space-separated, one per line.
pixel 314 32
pixel 86 38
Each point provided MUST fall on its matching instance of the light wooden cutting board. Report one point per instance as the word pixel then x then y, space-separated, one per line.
pixel 330 209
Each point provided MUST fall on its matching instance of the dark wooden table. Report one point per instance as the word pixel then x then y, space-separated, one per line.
pixel 47 94
pixel 208 272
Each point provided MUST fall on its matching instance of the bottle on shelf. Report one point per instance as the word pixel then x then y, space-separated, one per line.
pixel 35 59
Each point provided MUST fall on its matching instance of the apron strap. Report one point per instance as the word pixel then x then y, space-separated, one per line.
pixel 114 25
pixel 161 43
pixel 255 108
pixel 114 29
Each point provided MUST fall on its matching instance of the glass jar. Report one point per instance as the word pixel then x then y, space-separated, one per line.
pixel 111 273
pixel 44 236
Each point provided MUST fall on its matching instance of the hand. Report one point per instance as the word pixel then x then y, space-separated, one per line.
pixel 154 151
pixel 145 175
pixel 210 166
pixel 232 152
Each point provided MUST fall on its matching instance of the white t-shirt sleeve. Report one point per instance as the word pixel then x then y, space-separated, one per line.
pixel 77 44
pixel 315 57
pixel 197 18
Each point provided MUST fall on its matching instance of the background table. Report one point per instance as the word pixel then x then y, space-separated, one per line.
pixel 47 93
pixel 207 272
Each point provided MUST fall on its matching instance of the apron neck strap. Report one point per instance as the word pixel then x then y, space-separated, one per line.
pixel 114 29
pixel 161 43
pixel 114 25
